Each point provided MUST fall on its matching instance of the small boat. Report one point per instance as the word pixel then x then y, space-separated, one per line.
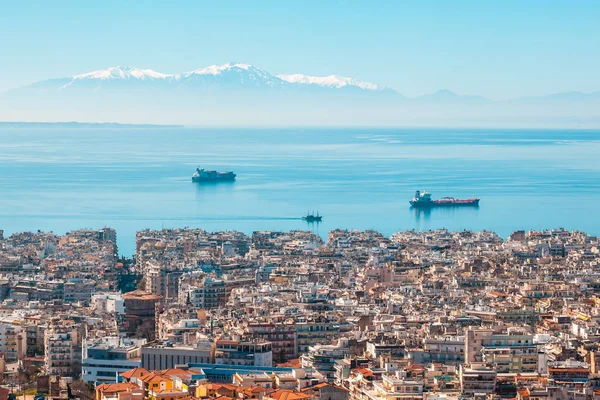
pixel 312 217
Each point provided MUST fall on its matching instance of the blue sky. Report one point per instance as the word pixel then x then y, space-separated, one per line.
pixel 499 49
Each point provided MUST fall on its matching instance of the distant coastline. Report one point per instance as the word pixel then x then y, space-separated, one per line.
pixel 79 125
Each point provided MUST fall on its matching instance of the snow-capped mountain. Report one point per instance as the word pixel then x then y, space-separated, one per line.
pixel 331 81
pixel 123 73
pixel 230 75
pixel 237 93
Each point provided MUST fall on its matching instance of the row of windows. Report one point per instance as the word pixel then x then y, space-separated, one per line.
pixel 113 367
pixel 160 361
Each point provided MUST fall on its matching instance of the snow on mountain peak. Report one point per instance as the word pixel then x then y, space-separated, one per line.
pixel 218 69
pixel 123 73
pixel 232 73
pixel 334 81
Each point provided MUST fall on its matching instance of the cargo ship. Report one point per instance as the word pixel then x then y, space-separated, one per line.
pixel 201 175
pixel 312 217
pixel 423 200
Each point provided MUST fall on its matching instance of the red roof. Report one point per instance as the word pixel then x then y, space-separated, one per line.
pixel 116 387
pixel 283 394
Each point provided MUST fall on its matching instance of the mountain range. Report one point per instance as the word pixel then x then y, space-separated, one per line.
pixel 214 78
pixel 247 94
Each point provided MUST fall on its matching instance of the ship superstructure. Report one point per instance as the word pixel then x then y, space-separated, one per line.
pixel 202 175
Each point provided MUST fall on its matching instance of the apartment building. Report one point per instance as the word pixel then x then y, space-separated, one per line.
pixel 257 352
pixel 512 352
pixel 58 351
pixel 13 341
pixel 282 336
pixel 477 378
pixel 105 358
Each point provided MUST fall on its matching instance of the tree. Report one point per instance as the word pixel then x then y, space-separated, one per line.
pixel 82 390
pixel 141 284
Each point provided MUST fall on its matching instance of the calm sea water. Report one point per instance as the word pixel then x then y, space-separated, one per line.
pixel 357 178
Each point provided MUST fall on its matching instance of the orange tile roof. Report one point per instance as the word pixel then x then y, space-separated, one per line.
pixel 211 386
pixel 295 363
pixel 255 389
pixel 154 377
pixel 116 387
pixel 283 394
pixel 320 385
pixel 175 372
pixel 136 372
pixel 141 295
pixel 364 371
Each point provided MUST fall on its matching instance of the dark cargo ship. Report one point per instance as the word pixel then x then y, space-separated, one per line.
pixel 423 200
pixel 201 175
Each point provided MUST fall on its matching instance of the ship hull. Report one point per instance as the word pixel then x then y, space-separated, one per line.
pixel 228 178
pixel 312 219
pixel 445 203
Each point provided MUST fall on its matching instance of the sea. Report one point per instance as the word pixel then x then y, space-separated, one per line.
pixel 358 178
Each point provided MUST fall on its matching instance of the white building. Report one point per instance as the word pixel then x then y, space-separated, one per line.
pixel 105 358
pixel 159 356
pixel 108 303
pixel 58 351
pixel 13 341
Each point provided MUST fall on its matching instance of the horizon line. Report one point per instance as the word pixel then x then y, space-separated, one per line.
pixel 114 124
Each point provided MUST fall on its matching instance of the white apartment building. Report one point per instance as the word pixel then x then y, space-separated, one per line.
pixel 105 358
pixel 13 340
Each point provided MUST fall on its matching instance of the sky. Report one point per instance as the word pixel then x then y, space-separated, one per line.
pixel 498 49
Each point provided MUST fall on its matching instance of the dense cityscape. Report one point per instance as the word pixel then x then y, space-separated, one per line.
pixel 288 316
pixel 300 200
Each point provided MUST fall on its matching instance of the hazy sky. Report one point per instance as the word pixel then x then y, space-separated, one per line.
pixel 498 49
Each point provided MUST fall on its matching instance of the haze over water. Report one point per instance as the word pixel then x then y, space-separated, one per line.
pixel 131 179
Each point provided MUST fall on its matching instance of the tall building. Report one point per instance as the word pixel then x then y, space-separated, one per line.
pixel 13 341
pixel 58 350
pixel 282 336
pixel 211 293
pixel 155 276
pixel 215 293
